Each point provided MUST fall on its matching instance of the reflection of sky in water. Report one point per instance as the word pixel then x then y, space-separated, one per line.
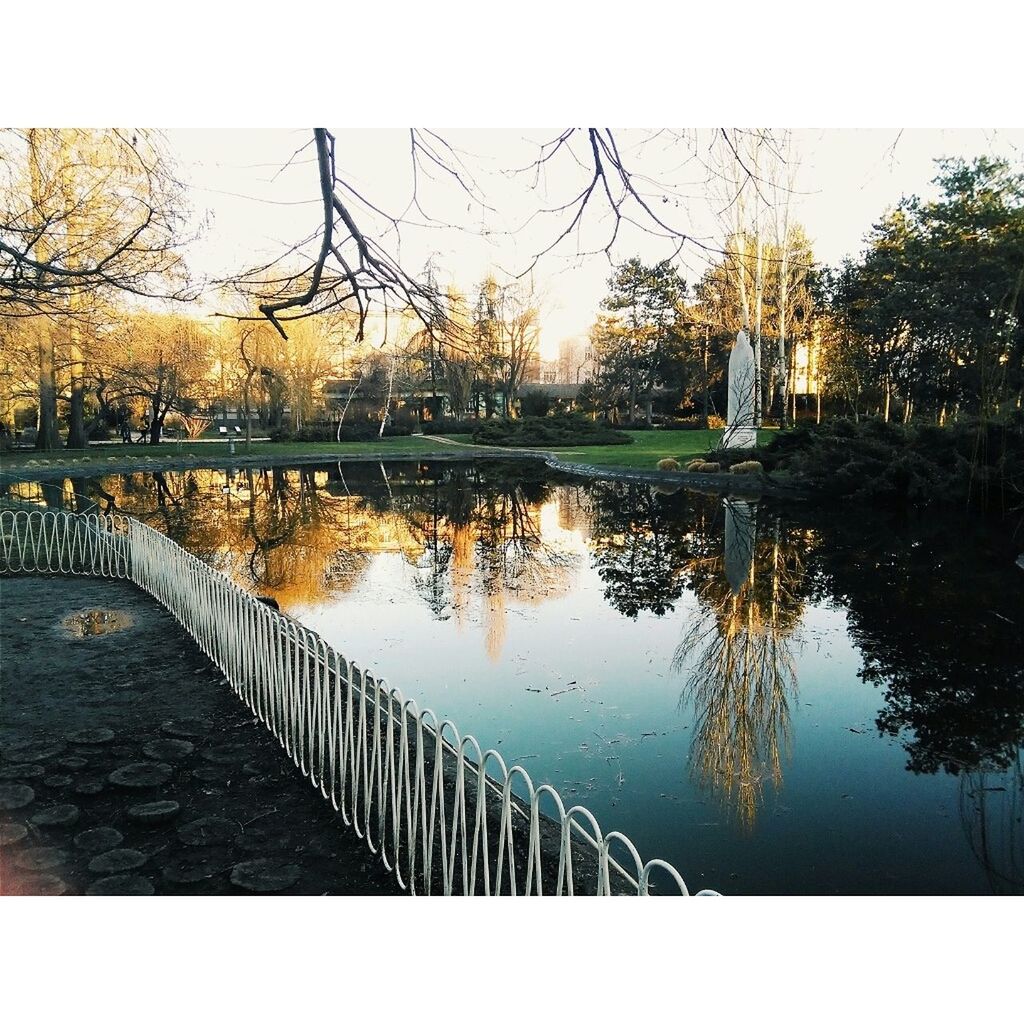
pixel 731 735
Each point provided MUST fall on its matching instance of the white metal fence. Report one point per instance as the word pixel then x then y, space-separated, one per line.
pixel 438 810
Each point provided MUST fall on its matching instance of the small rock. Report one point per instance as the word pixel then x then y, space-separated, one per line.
pixel 121 885
pixel 141 775
pixel 208 831
pixel 48 885
pixel 21 771
pixel 33 751
pixel 98 840
pixel 119 859
pixel 58 816
pixel 185 728
pixel 225 754
pixel 14 795
pixel 89 787
pixel 72 763
pixel 168 749
pixel 207 774
pixel 91 736
pixel 11 833
pixel 265 875
pixel 42 858
pixel 56 781
pixel 154 813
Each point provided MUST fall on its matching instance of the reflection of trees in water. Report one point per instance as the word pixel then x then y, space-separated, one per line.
pixel 481 532
pixel 298 534
pixel 992 814
pixel 740 674
pixel 640 545
pixel 934 609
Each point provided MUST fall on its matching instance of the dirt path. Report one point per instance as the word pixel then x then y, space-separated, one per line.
pixel 92 727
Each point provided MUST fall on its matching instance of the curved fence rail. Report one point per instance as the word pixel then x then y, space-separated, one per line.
pixel 437 809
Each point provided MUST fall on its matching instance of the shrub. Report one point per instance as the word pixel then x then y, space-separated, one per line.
pixel 709 467
pixel 447 425
pixel 751 467
pixel 535 403
pixel 694 465
pixel 668 464
pixel 561 430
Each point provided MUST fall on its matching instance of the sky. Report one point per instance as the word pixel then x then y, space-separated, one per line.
pixel 253 207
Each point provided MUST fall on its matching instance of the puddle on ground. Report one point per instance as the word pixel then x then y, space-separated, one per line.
pixel 96 622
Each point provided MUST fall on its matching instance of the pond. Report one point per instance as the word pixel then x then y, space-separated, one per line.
pixel 772 699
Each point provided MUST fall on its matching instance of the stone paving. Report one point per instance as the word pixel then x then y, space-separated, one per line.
pixel 129 767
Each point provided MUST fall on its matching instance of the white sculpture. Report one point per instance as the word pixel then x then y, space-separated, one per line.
pixel 740 431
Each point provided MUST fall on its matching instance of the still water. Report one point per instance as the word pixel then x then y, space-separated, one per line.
pixel 773 700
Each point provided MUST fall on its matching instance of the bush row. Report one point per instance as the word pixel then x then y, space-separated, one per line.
pixel 547 431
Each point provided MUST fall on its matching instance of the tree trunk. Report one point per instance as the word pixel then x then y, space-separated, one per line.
pixel 47 434
pixel 77 437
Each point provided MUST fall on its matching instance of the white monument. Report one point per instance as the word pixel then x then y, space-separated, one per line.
pixel 740 431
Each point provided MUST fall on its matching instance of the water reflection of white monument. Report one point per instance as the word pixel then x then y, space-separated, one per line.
pixel 737 661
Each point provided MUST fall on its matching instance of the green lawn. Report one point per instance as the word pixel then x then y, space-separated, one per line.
pixel 646 449
pixel 649 446
pixel 108 456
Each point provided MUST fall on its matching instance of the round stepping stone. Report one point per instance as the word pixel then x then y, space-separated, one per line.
pixel 14 795
pixel 121 885
pixel 154 813
pixel 198 864
pixel 88 787
pixel 207 774
pixel 72 763
pixel 58 816
pixel 168 749
pixel 21 771
pixel 98 840
pixel 56 781
pixel 265 875
pixel 120 859
pixel 11 833
pixel 185 728
pixel 228 753
pixel 141 775
pixel 122 751
pixel 209 831
pixel 91 736
pixel 24 752
pixel 42 858
pixel 48 885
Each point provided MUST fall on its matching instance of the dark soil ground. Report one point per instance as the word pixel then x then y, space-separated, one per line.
pixel 93 726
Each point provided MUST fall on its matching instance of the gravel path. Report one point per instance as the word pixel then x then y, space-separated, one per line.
pixel 127 765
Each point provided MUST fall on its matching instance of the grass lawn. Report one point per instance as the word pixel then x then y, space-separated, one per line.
pixel 108 456
pixel 646 449
pixel 648 446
